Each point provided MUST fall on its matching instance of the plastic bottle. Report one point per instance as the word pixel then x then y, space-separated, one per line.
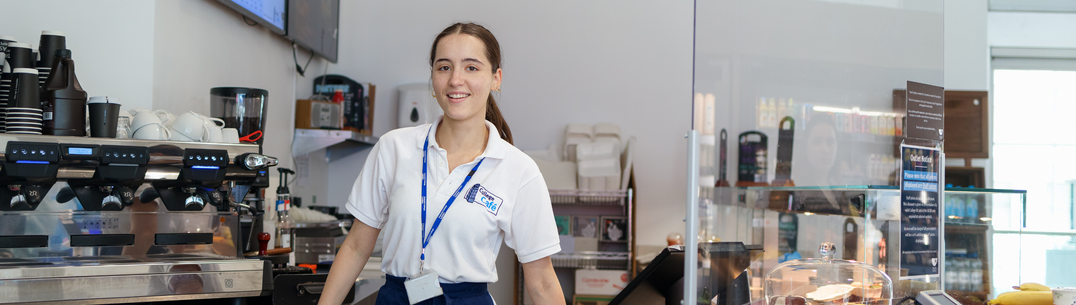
pixel 976 273
pixel 964 273
pixel 958 209
pixel 338 96
pixel 971 211
pixel 63 103
pixel 948 205
pixel 950 272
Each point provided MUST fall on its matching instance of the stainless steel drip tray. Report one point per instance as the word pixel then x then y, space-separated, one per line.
pixel 102 278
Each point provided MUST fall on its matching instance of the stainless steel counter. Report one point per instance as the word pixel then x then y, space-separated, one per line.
pixel 122 279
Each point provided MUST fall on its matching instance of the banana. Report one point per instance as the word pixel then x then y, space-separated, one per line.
pixel 1029 286
pixel 1024 298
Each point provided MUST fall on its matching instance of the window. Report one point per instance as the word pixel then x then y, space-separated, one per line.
pixel 1034 149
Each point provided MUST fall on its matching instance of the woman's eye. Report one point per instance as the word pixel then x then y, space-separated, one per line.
pixel 472 68
pixel 442 68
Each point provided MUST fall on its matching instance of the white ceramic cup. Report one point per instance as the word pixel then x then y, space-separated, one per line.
pixel 1064 296
pixel 230 135
pixel 134 112
pixel 189 126
pixel 143 118
pixel 152 131
pixel 213 128
pixel 166 117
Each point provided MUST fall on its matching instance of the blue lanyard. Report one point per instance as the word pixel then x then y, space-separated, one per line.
pixel 436 223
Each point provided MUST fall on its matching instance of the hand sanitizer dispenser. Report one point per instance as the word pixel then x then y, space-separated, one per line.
pixel 417 105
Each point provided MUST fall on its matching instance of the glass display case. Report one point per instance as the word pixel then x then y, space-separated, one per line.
pixel 827 280
pixel 799 113
pixel 863 224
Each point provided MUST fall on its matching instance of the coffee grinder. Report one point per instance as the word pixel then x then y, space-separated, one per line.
pixel 244 109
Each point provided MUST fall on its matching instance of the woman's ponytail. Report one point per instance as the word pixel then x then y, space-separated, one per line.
pixel 493 115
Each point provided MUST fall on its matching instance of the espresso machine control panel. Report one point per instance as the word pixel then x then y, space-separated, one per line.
pixel 29 172
pixel 124 155
pixel 30 151
pixel 80 152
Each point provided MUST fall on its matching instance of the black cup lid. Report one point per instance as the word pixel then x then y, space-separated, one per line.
pixel 233 91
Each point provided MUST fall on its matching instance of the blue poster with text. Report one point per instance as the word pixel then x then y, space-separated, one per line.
pixel 919 230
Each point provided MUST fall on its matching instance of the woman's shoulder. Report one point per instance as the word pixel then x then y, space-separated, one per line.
pixel 520 161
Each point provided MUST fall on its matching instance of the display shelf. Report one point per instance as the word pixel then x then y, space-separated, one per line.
pixel 311 140
pixel 594 204
pixel 599 260
pixel 588 197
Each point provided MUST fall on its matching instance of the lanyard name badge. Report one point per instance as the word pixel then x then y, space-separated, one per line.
pixel 425 285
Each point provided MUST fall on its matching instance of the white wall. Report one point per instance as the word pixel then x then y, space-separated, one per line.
pixel 1023 29
pixel 967 57
pixel 564 62
pixel 111 41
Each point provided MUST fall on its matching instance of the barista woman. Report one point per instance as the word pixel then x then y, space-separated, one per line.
pixel 446 194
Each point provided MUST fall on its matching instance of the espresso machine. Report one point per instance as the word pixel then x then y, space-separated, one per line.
pixel 104 221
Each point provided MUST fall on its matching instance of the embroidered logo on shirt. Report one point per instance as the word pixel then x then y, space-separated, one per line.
pixel 480 195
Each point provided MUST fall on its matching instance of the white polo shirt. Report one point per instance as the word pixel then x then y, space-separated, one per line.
pixel 511 205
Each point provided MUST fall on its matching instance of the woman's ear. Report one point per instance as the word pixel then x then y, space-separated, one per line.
pixel 496 80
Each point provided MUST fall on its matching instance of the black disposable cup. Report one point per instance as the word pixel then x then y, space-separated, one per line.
pixel 24 92
pixel 20 57
pixel 103 119
pixel 51 41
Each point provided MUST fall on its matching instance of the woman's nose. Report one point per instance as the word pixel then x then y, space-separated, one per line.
pixel 456 78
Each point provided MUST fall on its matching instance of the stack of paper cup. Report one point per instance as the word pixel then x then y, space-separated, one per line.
pixel 22 117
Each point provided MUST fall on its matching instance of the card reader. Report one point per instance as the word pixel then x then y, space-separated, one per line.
pixel 935 297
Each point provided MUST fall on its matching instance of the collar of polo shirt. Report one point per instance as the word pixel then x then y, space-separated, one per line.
pixel 495 146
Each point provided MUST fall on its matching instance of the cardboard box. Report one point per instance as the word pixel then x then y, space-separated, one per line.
pixel 582 299
pixel 318 115
pixel 600 282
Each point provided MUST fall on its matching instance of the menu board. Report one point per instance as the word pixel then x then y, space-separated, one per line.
pixel 926 111
pixel 919 215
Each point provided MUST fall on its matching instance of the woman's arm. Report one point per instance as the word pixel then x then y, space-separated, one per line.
pixel 349 262
pixel 542 283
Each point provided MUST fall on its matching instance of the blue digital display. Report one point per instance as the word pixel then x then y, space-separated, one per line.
pixel 205 167
pixel 82 151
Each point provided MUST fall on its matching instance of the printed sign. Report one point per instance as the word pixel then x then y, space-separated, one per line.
pixel 926 111
pixel 919 216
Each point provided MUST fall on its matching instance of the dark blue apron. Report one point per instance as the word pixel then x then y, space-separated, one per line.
pixel 393 293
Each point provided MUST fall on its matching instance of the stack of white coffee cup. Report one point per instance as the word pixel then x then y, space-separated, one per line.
pixel 190 126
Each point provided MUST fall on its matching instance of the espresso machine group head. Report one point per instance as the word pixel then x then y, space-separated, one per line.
pixel 117 172
pixel 201 176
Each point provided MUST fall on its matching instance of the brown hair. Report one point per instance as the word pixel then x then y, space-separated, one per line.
pixel 493 53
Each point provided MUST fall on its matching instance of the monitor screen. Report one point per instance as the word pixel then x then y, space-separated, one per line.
pixel 314 25
pixel 270 13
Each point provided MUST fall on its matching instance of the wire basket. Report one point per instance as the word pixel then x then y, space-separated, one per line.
pixel 588 197
pixel 591 260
